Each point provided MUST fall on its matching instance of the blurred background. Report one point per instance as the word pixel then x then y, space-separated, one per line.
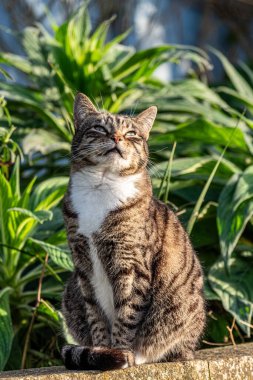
pixel 191 58
pixel 224 24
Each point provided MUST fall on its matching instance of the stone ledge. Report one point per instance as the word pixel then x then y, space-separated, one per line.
pixel 226 363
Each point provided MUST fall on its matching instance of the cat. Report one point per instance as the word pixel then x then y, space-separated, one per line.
pixel 136 294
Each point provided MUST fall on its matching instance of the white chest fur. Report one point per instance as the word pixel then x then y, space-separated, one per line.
pixel 93 196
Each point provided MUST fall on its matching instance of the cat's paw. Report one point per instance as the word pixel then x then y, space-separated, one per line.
pixel 129 358
pixel 112 358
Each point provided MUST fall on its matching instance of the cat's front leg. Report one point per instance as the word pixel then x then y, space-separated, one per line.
pixel 98 325
pixel 130 300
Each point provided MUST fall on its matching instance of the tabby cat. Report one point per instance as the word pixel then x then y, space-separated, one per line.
pixel 136 292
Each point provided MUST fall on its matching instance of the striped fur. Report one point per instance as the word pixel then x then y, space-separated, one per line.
pixel 136 295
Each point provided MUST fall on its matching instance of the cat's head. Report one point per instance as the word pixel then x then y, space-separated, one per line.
pixel 115 143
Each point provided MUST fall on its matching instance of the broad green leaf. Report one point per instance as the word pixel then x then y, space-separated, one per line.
pixel 25 197
pixel 203 131
pixel 45 142
pixel 235 288
pixel 49 193
pixel 52 231
pixel 244 188
pixel 6 331
pixel 210 295
pixel 39 216
pixel 15 357
pixel 197 167
pixel 58 255
pixel 235 210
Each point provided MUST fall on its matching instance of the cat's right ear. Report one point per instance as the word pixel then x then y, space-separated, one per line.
pixel 82 106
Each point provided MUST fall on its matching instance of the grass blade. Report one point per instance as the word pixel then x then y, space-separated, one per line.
pixel 196 210
pixel 167 175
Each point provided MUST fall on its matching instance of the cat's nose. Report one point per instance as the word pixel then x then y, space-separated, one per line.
pixel 117 138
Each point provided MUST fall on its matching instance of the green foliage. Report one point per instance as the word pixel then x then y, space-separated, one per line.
pixel 6 331
pixel 222 193
pixel 236 211
pixel 201 164
pixel 8 147
pixel 58 255
pixel 235 288
pixel 21 215
pixel 74 59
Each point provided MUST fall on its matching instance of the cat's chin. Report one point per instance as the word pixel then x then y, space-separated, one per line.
pixel 114 151
pixel 113 163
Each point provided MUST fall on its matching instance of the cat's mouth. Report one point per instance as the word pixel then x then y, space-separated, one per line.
pixel 114 150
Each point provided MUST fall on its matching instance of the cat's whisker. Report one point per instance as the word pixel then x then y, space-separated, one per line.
pixel 102 100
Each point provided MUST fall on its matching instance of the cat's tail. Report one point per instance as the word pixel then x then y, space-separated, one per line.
pixel 96 358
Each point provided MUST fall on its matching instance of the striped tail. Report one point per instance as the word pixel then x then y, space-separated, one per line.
pixel 96 358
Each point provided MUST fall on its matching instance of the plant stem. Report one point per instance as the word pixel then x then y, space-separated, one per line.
pixel 29 331
pixel 230 329
pixel 167 174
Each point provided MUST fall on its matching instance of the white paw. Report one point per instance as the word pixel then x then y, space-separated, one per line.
pixel 140 359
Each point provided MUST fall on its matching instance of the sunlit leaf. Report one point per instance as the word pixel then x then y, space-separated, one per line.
pixel 234 288
pixel 6 331
pixel 58 255
pixel 235 210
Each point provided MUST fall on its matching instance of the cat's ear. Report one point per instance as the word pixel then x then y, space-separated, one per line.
pixel 146 119
pixel 82 106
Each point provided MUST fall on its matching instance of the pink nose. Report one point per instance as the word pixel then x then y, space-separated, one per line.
pixel 117 138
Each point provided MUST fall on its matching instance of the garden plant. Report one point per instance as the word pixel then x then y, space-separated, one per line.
pixel 201 163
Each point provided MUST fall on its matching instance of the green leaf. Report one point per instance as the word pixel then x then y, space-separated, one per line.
pixel 47 309
pixel 45 142
pixel 25 197
pixel 49 193
pixel 16 61
pixel 5 73
pixel 235 288
pixel 39 216
pixel 5 203
pixel 197 167
pixel 240 84
pixel 58 255
pixel 196 210
pixel 15 179
pixel 36 101
pixel 203 131
pixel 6 331
pixel 235 210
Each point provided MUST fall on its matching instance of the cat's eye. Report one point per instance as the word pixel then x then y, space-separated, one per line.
pixel 100 129
pixel 130 134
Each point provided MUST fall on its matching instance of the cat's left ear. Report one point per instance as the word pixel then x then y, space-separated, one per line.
pixel 82 106
pixel 146 119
